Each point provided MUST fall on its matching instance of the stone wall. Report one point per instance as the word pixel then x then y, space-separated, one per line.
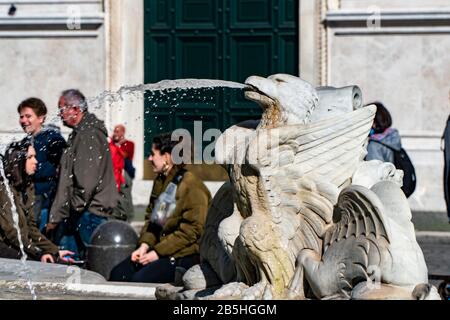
pixel 46 48
pixel 397 52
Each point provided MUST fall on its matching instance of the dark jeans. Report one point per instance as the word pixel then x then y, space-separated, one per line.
pixel 75 234
pixel 160 271
pixel 41 212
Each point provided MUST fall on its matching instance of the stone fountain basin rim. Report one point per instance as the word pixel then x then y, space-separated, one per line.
pixel 107 289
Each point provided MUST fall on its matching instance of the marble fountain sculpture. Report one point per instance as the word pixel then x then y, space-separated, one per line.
pixel 304 216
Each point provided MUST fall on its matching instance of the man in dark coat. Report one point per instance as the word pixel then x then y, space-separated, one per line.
pixel 87 190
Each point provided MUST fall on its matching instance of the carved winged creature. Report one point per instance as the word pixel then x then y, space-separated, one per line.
pixel 302 216
pixel 311 218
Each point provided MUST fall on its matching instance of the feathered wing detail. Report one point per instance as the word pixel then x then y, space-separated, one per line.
pixel 359 236
pixel 359 213
pixel 302 169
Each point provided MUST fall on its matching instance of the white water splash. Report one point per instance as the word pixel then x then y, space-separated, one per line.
pixel 137 92
pixel 26 270
pixel 181 84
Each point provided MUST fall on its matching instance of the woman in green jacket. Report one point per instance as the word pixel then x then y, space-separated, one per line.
pixel 19 165
pixel 174 223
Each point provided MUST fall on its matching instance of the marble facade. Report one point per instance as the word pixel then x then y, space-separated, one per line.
pixel 396 52
pixel 43 52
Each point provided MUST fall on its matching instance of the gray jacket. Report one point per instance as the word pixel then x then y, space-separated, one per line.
pixel 376 151
pixel 87 178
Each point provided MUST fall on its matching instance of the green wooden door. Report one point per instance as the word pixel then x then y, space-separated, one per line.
pixel 218 39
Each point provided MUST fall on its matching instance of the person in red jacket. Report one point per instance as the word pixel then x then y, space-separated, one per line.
pixel 118 160
pixel 124 171
pixel 127 148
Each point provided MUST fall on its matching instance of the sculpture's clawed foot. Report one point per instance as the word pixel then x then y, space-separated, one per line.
pixel 294 295
pixel 233 290
pixel 260 291
pixel 167 292
pixel 425 291
pixel 295 291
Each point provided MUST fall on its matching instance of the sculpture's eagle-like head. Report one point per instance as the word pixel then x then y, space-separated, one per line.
pixel 285 99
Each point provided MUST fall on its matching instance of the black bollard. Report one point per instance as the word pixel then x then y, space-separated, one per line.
pixel 111 243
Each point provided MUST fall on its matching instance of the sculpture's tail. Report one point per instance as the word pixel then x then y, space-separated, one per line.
pixel 425 291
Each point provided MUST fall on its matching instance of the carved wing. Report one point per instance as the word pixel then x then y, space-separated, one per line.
pixel 358 239
pixel 302 170
pixel 359 212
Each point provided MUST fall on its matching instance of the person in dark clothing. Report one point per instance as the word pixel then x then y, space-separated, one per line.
pixel 19 165
pixel 49 145
pixel 174 223
pixel 384 133
pixel 446 149
pixel 87 191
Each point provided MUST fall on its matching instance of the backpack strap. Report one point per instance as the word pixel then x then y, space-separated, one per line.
pixel 176 180
pixel 385 145
pixel 179 176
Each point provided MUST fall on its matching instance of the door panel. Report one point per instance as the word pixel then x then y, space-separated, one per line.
pixel 221 39
pixel 250 14
pixel 196 14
